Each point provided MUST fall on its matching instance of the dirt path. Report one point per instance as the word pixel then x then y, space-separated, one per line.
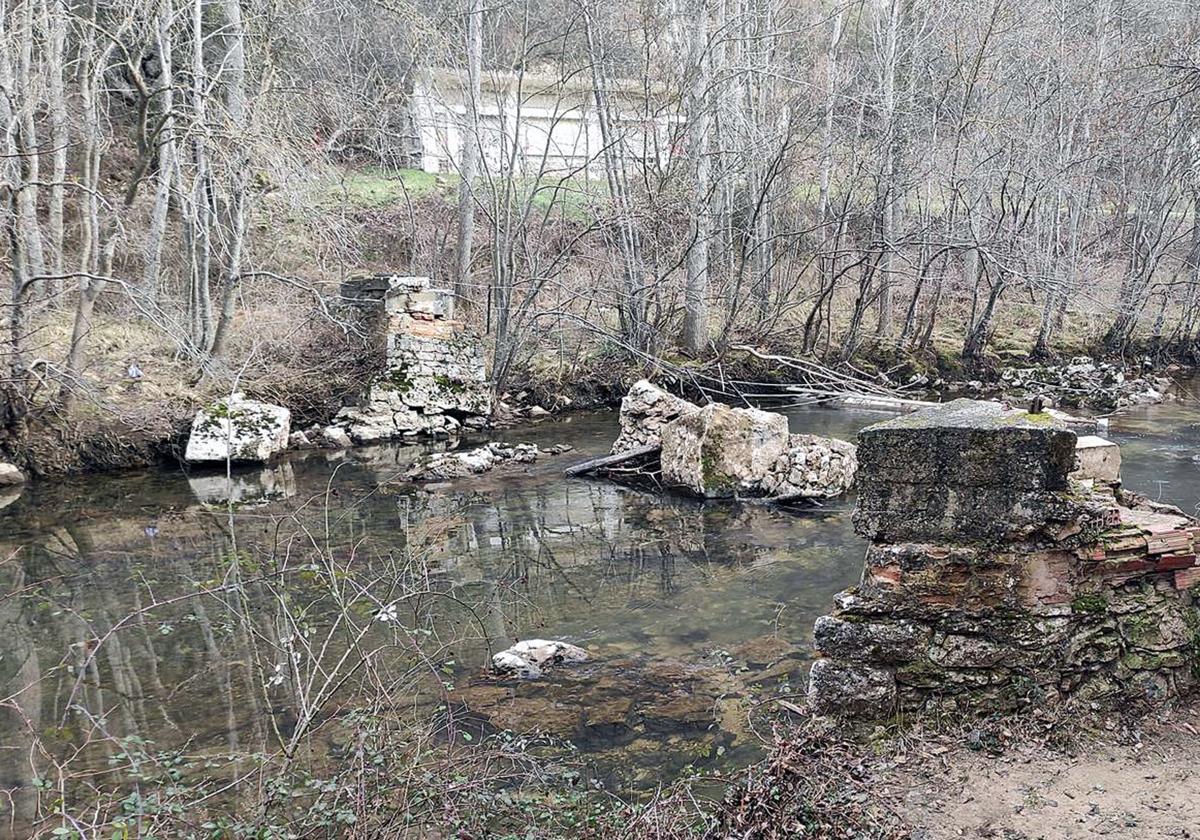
pixel 1121 783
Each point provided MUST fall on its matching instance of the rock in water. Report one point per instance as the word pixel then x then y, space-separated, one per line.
pixel 645 410
pixel 720 452
pixel 238 429
pixel 335 437
pixel 813 468
pixel 529 658
pixel 10 476
pixel 473 461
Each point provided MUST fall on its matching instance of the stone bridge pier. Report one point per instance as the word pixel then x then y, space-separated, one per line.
pixel 1006 567
pixel 434 381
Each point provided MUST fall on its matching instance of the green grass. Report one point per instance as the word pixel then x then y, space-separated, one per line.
pixel 378 188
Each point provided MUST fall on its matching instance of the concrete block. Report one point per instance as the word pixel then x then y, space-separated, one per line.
pixel 1097 459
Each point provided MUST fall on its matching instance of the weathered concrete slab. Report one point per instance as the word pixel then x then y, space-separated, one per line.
pixel 963 470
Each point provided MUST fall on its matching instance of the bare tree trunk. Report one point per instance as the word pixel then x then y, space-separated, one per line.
pixel 167 163
pixel 56 13
pixel 234 74
pixel 695 322
pixel 201 222
pixel 26 103
pixel 632 308
pixel 469 157
pixel 890 201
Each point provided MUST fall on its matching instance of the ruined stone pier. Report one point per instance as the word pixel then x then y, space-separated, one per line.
pixel 434 381
pixel 1006 567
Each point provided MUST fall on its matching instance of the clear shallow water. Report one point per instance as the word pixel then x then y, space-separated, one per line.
pixel 131 609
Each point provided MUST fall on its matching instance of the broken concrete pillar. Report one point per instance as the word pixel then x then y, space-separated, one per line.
pixel 965 469
pixel 644 412
pixel 719 452
pixel 995 578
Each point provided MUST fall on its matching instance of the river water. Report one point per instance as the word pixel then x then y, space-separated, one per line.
pixel 142 609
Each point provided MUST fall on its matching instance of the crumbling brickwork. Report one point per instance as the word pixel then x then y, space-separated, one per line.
pixel 435 379
pixel 999 574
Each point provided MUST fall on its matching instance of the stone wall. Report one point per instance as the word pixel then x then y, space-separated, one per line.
pixel 435 380
pixel 1003 570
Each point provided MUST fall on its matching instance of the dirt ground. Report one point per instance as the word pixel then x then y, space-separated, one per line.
pixel 1116 780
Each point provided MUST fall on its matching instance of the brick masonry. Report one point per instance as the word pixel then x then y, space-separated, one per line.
pixel 1051 585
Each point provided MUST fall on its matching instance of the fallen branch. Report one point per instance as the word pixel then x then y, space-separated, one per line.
pixel 611 460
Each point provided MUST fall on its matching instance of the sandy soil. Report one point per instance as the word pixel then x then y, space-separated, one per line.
pixel 1138 782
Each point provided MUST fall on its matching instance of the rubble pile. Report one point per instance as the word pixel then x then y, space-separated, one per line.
pixel 1083 382
pixel 717 451
pixel 435 381
pixel 1006 567
pixel 459 464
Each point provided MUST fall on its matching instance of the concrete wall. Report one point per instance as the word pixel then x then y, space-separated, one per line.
pixel 535 124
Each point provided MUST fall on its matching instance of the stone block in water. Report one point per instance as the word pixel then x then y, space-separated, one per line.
pixel 961 471
pixel 718 451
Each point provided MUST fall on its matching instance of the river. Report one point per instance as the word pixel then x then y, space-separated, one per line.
pixel 135 613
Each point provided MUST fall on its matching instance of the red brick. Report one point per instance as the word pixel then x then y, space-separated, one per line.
pixel 1187 578
pixel 888 575
pixel 1124 567
pixel 1171 562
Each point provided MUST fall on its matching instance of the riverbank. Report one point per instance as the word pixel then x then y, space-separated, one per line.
pixel 123 422
pixel 1064 774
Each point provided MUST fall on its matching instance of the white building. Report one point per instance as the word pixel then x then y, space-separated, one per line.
pixel 537 124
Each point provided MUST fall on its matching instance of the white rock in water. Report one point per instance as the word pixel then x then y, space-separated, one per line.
pixel 237 429
pixel 458 464
pixel 528 658
pixel 336 437
pixel 10 475
pixel 511 663
pixel 645 410
pixel 299 440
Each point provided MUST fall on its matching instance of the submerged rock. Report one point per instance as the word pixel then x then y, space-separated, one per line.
pixel 529 658
pixel 240 430
pixel 10 475
pixel 444 465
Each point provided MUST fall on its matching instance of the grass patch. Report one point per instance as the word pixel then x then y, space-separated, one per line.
pixel 375 187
